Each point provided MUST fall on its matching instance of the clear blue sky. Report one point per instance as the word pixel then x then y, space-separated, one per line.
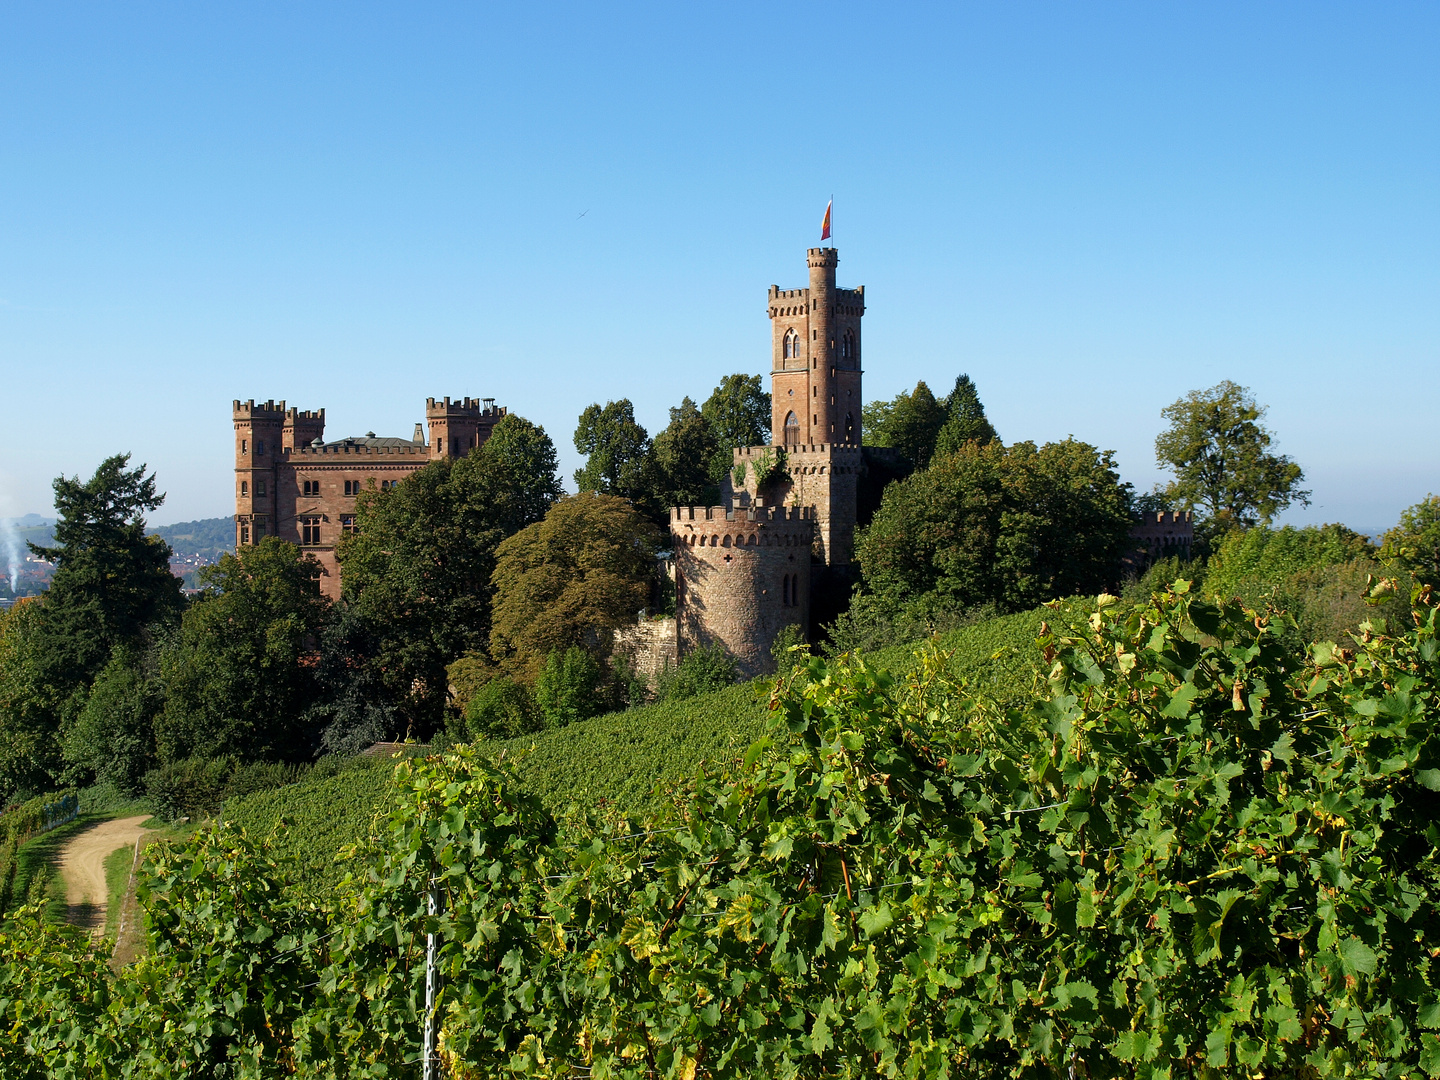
pixel 1092 209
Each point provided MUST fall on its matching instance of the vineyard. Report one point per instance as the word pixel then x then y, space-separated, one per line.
pixel 622 761
pixel 1190 850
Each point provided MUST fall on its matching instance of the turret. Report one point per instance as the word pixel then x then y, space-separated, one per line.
pixel 259 444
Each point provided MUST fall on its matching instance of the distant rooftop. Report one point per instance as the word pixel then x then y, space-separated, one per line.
pixel 370 440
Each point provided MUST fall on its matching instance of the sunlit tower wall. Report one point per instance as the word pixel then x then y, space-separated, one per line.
pixel 816 358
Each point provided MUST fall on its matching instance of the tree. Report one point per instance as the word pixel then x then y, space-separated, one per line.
pixel 568 687
pixel 240 678
pixel 571 580
pixel 29 707
pixel 910 424
pixel 683 457
pixel 111 580
pixel 502 709
pixel 1218 450
pixel 617 451
pixel 1413 545
pixel 1009 526
pixel 965 420
pixel 738 412
pixel 417 572
pixel 113 738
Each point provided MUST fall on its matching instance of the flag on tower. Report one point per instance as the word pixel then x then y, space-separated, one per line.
pixel 825 225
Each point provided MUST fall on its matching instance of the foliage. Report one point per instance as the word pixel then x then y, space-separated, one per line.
pixel 1245 562
pixel 570 580
pixel 111 580
pixel 1413 545
pixel 503 709
pixel 30 757
pixel 113 738
pixel 353 707
pixel 1218 450
pixel 311 824
pixel 617 451
pixel 965 420
pixel 700 671
pixel 568 687
pixel 417 573
pixel 1009 526
pixel 240 677
pixel 738 412
pixel 910 423
pixel 789 649
pixel 683 455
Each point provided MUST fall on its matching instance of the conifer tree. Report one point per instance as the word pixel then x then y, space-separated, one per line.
pixel 965 419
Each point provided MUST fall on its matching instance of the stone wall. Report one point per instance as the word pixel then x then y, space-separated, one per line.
pixel 741 576
pixel 652 645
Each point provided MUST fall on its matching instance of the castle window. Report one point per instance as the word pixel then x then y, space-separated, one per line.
pixel 310 530
pixel 259 527
pixel 847 346
pixel 244 446
pixel 352 487
pixel 259 489
pixel 347 523
pixel 785 590
pixel 259 447
pixel 244 534
pixel 310 488
pixel 849 427
pixel 792 344
pixel 792 430
pixel 244 489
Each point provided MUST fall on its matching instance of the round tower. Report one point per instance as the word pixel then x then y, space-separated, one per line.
pixel 822 262
pixel 741 577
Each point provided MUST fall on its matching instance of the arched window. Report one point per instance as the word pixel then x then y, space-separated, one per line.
pixel 792 344
pixel 792 429
pixel 847 346
pixel 849 427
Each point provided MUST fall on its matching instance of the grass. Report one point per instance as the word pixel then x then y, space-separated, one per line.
pixel 117 884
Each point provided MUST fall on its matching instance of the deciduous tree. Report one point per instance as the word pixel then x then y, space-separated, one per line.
pixel 910 424
pixel 1218 450
pixel 684 455
pixel 738 412
pixel 241 675
pixel 1009 526
pixel 1413 545
pixel 571 580
pixel 617 451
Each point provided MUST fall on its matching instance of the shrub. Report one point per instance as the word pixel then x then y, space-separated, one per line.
pixel 568 687
pixel 502 709
pixel 701 671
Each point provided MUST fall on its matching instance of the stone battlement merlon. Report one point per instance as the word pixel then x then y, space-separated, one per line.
pixel 305 414
pixel 404 450
pixel 721 518
pixel 1168 517
pixel 463 407
pixel 267 409
pixel 804 450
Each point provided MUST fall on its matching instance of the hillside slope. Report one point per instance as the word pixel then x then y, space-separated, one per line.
pixel 618 761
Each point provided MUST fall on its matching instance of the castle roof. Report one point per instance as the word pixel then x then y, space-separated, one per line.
pixel 371 440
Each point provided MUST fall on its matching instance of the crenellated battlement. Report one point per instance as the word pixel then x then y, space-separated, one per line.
pixel 348 448
pixel 1161 518
pixel 266 410
pixel 317 415
pixel 741 515
pixel 470 408
pixel 818 257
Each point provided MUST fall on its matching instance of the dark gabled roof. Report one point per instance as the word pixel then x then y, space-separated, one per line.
pixel 371 440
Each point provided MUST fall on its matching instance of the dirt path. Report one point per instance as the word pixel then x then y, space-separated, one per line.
pixel 82 867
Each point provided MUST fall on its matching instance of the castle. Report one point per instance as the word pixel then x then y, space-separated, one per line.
pixel 291 483
pixel 748 568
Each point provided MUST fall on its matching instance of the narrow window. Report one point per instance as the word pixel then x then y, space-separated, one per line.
pixel 259 447
pixel 785 591
pixel 260 489
pixel 792 429
pixel 244 489
pixel 259 528
pixel 849 427
pixel 244 534
pixel 244 446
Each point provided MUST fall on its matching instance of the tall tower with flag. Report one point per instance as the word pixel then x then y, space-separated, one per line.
pixel 779 550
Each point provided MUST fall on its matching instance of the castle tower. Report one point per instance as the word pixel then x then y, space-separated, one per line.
pixel 815 361
pixel 457 427
pixel 259 446
pixel 741 576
